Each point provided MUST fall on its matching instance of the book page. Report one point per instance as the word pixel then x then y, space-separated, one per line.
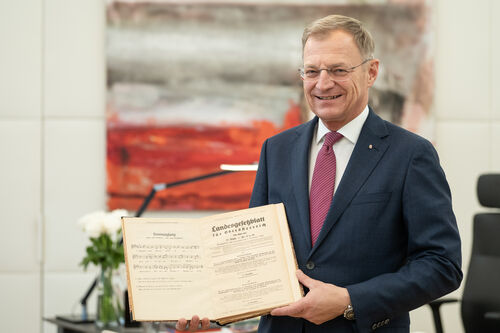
pixel 247 261
pixel 166 269
pixel 288 249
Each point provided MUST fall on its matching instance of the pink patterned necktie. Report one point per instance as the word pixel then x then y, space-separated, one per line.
pixel 323 184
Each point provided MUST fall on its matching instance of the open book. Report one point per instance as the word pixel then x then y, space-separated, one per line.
pixel 226 267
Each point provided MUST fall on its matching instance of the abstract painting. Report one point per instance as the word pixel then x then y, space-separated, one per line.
pixel 193 84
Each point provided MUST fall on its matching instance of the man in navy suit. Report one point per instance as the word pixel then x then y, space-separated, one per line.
pixel 389 241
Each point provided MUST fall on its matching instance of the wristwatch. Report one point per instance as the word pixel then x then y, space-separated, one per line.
pixel 349 312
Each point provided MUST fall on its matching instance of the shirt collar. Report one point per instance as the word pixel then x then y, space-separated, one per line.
pixel 350 131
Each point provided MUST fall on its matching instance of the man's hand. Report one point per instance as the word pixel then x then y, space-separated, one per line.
pixel 323 302
pixel 194 324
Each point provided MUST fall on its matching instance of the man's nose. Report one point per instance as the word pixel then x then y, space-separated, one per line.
pixel 324 80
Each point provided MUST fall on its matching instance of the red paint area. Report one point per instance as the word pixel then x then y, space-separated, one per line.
pixel 139 157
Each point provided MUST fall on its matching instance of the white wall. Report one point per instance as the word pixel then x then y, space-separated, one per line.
pixel 52 142
pixel 468 117
pixel 20 164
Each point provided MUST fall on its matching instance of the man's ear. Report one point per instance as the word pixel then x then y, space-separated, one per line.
pixel 373 71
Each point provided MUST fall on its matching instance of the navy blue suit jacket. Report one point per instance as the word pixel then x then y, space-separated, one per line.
pixel 390 236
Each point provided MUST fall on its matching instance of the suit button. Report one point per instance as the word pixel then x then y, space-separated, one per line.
pixel 310 265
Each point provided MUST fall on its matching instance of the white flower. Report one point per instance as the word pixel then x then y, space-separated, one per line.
pixel 91 223
pixel 98 223
pixel 113 222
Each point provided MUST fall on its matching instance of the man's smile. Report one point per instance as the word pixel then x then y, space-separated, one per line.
pixel 328 97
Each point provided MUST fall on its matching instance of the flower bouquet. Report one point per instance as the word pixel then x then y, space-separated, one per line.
pixel 106 252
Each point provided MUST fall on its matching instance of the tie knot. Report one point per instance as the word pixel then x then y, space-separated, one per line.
pixel 331 138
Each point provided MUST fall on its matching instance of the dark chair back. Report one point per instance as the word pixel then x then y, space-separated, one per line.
pixel 481 298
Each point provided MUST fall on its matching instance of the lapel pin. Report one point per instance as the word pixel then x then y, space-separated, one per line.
pixel 370 147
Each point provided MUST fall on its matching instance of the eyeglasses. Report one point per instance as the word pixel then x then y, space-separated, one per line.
pixel 335 73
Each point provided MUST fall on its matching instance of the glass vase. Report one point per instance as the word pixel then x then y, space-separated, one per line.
pixel 110 311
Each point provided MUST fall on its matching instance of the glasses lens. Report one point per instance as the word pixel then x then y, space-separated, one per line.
pixel 338 74
pixel 313 75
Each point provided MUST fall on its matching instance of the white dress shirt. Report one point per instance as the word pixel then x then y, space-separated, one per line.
pixel 342 148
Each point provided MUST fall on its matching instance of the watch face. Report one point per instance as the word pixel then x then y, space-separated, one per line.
pixel 349 313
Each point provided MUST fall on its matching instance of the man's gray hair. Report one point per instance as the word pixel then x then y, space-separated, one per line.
pixel 323 26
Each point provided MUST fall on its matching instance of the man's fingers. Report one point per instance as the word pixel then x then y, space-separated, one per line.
pixel 292 310
pixel 305 280
pixel 193 324
pixel 205 323
pixel 181 324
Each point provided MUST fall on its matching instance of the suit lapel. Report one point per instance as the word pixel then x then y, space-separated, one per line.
pixel 300 173
pixel 361 164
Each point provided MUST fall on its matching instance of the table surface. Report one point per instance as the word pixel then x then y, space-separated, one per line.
pixel 89 327
pixel 66 326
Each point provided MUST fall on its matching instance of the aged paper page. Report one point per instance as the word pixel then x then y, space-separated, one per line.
pixel 166 268
pixel 288 249
pixel 247 261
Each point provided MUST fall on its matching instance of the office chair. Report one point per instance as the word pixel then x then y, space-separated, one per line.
pixel 480 304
